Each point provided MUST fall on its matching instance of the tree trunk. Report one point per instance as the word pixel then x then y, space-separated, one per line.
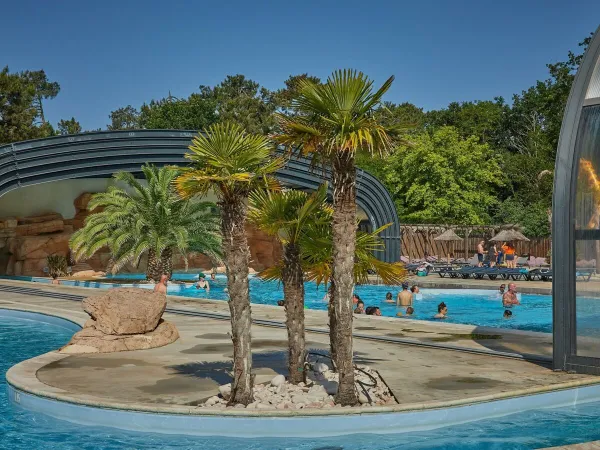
pixel 293 294
pixel 331 314
pixel 236 253
pixel 153 268
pixel 166 262
pixel 344 243
pixel 159 266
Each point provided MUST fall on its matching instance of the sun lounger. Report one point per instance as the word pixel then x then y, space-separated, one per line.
pixel 584 274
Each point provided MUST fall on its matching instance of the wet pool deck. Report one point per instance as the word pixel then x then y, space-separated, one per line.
pixel 190 370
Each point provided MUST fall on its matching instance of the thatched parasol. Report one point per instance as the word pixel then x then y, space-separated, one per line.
pixel 509 236
pixel 448 236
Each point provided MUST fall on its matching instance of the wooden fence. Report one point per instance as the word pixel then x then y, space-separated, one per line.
pixel 418 241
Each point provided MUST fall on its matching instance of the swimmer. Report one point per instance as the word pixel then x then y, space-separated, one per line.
pixel 389 298
pixel 509 299
pixel 442 311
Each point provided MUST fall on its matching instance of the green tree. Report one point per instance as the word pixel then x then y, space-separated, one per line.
pixel 283 97
pixel 127 118
pixel 194 113
pixel 286 215
pixel 443 178
pixel 70 126
pixel 242 101
pixel 18 112
pixel 302 223
pixel 44 89
pixel 334 121
pixel 482 119
pixel 232 163
pixel 147 218
pixel 534 217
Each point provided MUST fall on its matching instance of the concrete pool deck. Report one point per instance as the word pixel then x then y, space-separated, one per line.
pixel 177 377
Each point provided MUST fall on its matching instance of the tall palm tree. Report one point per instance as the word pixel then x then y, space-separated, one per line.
pixel 332 122
pixel 147 218
pixel 286 215
pixel 233 163
pixel 315 243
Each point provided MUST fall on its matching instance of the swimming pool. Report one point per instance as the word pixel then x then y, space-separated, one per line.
pixel 465 306
pixel 21 339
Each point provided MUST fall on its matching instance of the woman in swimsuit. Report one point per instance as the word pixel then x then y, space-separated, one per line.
pixel 202 283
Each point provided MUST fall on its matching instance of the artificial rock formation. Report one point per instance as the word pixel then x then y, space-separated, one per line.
pixel 123 319
pixel 26 242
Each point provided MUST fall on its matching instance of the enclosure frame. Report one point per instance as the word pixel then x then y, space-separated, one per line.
pixel 563 222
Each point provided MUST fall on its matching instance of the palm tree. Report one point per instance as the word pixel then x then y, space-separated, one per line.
pixel 333 122
pixel 233 163
pixel 147 218
pixel 315 244
pixel 286 215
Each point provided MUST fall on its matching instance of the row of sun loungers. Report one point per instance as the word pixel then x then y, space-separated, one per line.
pixel 494 273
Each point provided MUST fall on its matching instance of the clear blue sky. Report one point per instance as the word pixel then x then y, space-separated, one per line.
pixel 107 54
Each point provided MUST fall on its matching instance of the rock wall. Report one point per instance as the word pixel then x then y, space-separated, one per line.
pixel 26 242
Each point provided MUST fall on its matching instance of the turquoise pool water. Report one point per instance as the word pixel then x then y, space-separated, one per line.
pixel 20 430
pixel 465 306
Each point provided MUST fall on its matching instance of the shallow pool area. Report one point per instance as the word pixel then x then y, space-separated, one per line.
pixel 479 307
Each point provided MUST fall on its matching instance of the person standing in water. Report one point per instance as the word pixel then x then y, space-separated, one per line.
pixel 202 283
pixel 405 297
pixel 161 286
pixel 509 298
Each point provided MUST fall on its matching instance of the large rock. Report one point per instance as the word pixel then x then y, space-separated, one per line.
pixel 124 311
pixel 92 340
pixel 48 217
pixel 37 228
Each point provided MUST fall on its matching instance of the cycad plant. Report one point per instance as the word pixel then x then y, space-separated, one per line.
pixel 330 123
pixel 286 215
pixel 232 164
pixel 147 218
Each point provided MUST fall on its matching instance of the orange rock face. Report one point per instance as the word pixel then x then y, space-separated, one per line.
pixel 26 242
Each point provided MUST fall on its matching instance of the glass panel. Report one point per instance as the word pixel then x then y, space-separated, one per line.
pixel 587 235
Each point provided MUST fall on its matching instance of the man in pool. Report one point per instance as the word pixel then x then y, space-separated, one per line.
pixel 509 299
pixel 507 314
pixel 410 311
pixel 389 298
pixel 405 297
pixel 502 288
pixel 161 286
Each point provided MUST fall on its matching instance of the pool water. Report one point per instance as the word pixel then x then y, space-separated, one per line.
pixel 465 306
pixel 20 430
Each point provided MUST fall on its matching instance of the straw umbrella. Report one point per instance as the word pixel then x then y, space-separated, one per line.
pixel 448 236
pixel 510 236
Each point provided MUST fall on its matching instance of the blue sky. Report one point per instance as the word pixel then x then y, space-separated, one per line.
pixel 108 54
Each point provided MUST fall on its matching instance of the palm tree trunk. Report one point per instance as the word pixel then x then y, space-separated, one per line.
pixel 344 243
pixel 236 252
pixel 293 293
pixel 332 328
pixel 166 262
pixel 153 269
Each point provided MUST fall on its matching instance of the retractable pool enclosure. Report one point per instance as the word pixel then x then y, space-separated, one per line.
pixel 576 223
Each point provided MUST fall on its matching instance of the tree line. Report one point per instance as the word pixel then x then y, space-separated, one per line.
pixel 476 162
